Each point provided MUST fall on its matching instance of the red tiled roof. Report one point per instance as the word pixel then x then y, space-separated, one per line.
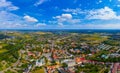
pixel 118 67
pixel 79 59
pixel 30 53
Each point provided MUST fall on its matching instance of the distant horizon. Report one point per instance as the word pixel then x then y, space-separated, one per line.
pixel 59 29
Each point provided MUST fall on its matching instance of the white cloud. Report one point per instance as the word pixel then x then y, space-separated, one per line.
pixel 100 26
pixel 11 20
pixel 30 19
pixel 105 13
pixel 40 2
pixel 40 25
pixel 93 26
pixel 20 25
pixel 7 16
pixel 66 18
pixel 12 25
pixel 74 11
pixel 8 19
pixel 16 25
pixel 60 24
pixel 7 5
pixel 74 21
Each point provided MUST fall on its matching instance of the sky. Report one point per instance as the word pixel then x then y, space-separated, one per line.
pixel 59 14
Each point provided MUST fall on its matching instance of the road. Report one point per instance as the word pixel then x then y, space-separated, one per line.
pixel 14 65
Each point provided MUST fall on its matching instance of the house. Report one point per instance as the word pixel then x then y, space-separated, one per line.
pixel 71 69
pixel 55 56
pixel 48 56
pixel 51 69
pixel 79 60
pixel 61 70
pixel 66 60
pixel 104 56
pixel 114 68
pixel 114 55
pixel 26 70
pixel 40 62
pixel 31 54
pixel 29 67
pixel 71 63
pixel 118 69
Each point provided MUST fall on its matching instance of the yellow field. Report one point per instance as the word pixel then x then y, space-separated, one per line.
pixel 2 50
pixel 39 71
pixel 1 46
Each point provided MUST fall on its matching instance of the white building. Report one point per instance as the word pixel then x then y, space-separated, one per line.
pixel 40 62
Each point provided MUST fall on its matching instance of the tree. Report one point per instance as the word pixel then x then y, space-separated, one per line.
pixel 64 65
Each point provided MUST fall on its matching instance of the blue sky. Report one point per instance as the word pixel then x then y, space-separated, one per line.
pixel 59 14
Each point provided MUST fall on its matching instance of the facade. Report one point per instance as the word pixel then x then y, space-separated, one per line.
pixel 40 62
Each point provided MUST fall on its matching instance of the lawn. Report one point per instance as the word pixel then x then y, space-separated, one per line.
pixel 2 50
pixel 0 46
pixel 39 71
pixel 90 68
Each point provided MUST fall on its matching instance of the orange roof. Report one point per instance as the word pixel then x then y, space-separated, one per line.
pixel 55 56
pixel 79 59
pixel 52 67
pixel 31 54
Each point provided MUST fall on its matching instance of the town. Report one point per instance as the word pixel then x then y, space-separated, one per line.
pixel 61 52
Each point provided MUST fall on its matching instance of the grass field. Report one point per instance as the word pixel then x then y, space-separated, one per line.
pixel 39 71
pixel 2 50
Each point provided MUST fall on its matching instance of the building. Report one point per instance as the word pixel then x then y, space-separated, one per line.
pixel 40 62
pixel 48 56
pixel 118 69
pixel 79 60
pixel 71 63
